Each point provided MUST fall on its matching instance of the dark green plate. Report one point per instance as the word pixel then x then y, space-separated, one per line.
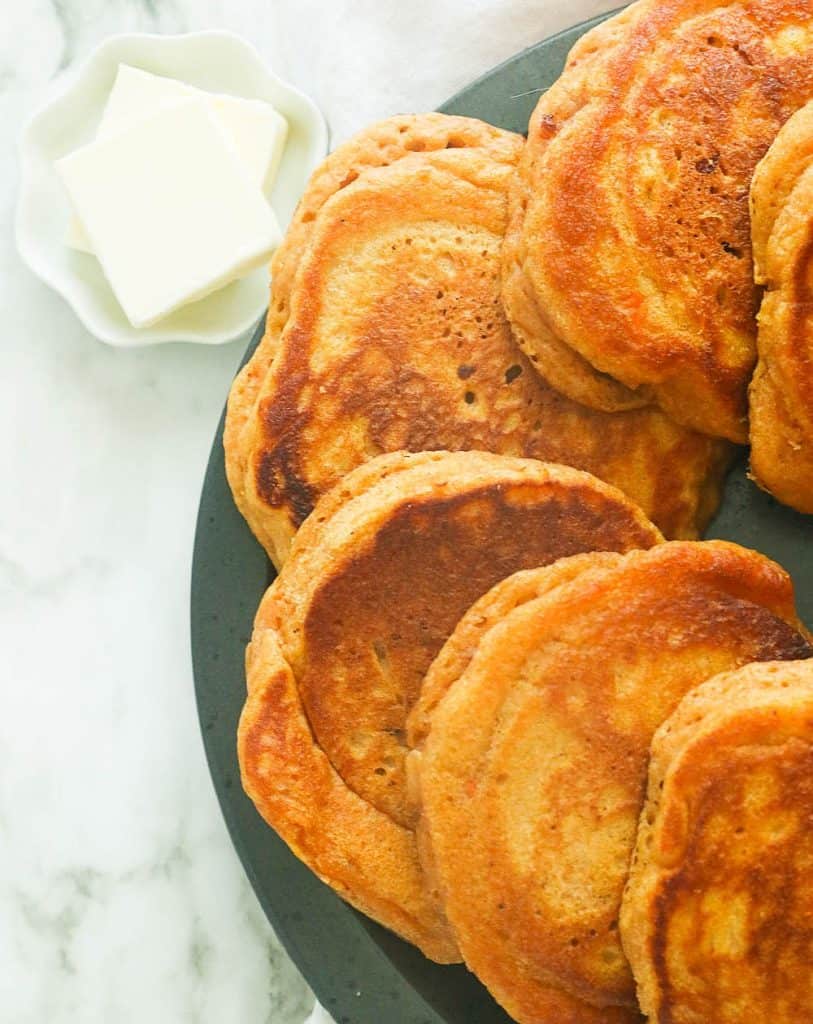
pixel 360 972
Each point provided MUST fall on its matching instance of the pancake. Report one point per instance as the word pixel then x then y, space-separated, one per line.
pixel 775 177
pixel 531 778
pixel 378 145
pixel 377 579
pixel 781 394
pixel 628 259
pixel 716 919
pixel 396 340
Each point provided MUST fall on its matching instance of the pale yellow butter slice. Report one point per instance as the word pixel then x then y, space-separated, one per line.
pixel 258 131
pixel 169 209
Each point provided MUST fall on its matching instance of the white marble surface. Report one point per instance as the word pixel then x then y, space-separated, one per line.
pixel 120 896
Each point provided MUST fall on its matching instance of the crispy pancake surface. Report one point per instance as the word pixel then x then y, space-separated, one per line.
pixel 379 145
pixel 378 577
pixel 395 339
pixel 781 394
pixel 716 919
pixel 628 260
pixel 531 778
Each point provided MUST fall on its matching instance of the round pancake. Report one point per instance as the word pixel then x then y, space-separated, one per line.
pixel 377 579
pixel 531 778
pixel 775 176
pixel 630 240
pixel 378 145
pixel 781 393
pixel 396 339
pixel 716 918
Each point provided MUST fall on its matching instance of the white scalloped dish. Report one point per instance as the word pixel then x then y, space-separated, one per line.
pixel 213 60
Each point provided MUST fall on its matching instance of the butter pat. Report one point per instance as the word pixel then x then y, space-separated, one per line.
pixel 169 209
pixel 258 131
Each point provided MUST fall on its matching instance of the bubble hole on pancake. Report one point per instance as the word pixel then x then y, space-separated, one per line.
pixel 378 577
pixel 532 772
pixel 781 393
pixel 628 257
pixel 396 339
pixel 716 914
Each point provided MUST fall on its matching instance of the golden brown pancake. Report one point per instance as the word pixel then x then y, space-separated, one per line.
pixel 716 918
pixel 781 394
pixel 396 339
pixel 775 177
pixel 377 579
pixel 531 778
pixel 378 145
pixel 628 260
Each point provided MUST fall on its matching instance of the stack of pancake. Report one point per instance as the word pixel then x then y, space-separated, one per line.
pixel 453 685
pixel 628 274
pixel 530 766
pixel 386 332
pixel 499 387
